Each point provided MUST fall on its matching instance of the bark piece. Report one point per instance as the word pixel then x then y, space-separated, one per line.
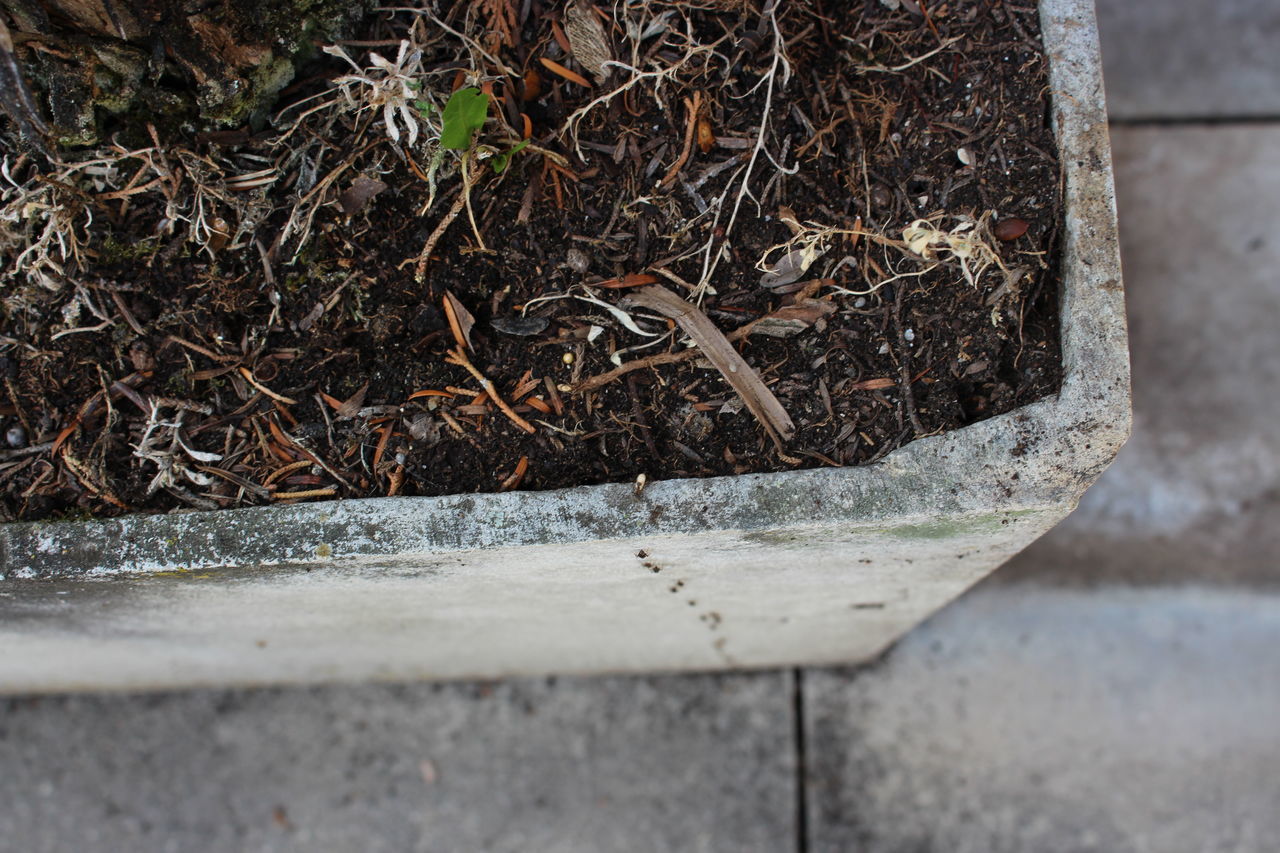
pixel 587 39
pixel 361 192
pixel 791 320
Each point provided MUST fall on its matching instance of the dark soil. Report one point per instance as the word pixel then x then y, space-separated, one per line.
pixel 192 336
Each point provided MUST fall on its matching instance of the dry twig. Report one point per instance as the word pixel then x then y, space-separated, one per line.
pixel 458 357
pixel 740 375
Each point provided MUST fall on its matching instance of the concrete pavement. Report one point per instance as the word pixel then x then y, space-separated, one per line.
pixel 703 763
pixel 1041 720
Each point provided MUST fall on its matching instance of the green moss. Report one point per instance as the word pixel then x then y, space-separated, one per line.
pixel 112 250
pixel 75 514
pixel 117 77
pixel 179 384
pixel 936 530
pixel 234 102
pixel 951 528
pixel 948 529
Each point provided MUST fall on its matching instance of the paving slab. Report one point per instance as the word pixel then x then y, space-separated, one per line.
pixel 1033 720
pixel 1191 59
pixel 1195 494
pixel 1127 700
pixel 617 764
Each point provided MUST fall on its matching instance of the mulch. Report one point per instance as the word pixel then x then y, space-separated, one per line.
pixel 271 314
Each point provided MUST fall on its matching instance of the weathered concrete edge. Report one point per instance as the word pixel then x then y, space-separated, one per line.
pixel 1040 456
pixel 892 493
pixel 802 595
pixel 1095 340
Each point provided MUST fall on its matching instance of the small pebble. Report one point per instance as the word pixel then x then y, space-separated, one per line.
pixel 15 436
pixel 881 196
pixel 577 260
pixel 909 335
pixel 520 326
pixel 1010 229
pixel 860 302
pixel 963 155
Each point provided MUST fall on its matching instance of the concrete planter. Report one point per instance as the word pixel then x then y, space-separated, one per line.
pixel 804 567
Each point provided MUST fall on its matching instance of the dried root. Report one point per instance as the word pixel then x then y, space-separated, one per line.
pixel 968 245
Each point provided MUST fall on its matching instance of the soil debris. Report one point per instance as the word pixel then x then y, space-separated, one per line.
pixel 467 249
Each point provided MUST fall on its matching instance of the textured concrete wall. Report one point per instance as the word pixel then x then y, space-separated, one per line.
pixel 693 602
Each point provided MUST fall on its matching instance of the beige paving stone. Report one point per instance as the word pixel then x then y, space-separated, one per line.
pixel 1188 59
pixel 1033 720
pixel 1125 702
pixel 612 765
pixel 1195 494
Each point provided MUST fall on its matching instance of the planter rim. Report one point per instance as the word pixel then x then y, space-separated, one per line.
pixel 1041 455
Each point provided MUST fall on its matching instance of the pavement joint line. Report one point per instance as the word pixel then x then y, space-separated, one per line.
pixel 802 802
pixel 1194 121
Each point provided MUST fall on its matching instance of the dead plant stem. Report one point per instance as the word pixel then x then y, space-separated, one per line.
pixel 458 357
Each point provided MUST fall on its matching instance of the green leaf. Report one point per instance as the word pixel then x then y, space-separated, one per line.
pixel 500 161
pixel 463 115
pixel 424 107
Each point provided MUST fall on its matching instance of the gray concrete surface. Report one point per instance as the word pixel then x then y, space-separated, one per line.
pixel 1105 696
pixel 1191 59
pixel 590 766
pixel 1195 494
pixel 1115 688
pixel 1036 720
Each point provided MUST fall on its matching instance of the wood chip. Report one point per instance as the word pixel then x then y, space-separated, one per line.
pixel 460 320
pixel 352 404
pixel 360 193
pixel 631 279
pixel 716 347
pixel 790 320
pixel 878 384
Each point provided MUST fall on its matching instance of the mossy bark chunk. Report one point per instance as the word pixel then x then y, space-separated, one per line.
pixel 161 61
